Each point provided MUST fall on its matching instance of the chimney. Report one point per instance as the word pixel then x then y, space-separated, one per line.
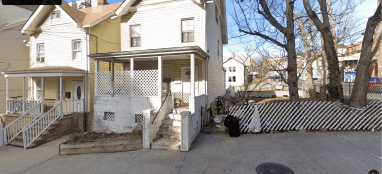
pixel 95 3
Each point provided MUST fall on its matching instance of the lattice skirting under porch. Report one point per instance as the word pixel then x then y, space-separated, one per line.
pixel 183 97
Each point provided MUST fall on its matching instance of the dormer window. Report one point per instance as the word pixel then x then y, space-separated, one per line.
pixel 55 15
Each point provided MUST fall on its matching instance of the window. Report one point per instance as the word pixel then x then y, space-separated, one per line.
pixel 377 80
pixel 187 30
pixel 230 69
pixel 229 79
pixel 76 47
pixel 38 89
pixel 110 116
pixel 55 15
pixel 234 69
pixel 135 31
pixel 40 53
pixel 234 78
pixel 216 15
pixel 372 79
pixel 346 63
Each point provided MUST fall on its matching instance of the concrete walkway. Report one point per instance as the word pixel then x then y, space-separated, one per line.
pixel 305 153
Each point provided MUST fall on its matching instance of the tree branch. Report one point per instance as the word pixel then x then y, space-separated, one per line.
pixel 255 33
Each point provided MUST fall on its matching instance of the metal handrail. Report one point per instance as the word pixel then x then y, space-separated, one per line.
pixel 31 133
pixel 14 128
pixel 169 92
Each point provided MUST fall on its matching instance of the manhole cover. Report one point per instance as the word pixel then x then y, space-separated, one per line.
pixel 273 168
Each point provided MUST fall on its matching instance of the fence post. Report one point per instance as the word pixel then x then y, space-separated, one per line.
pixel 147 128
pixel 185 144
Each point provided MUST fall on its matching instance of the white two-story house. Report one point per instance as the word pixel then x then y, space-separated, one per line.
pixel 236 64
pixel 116 60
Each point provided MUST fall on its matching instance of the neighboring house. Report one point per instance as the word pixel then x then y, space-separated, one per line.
pixel 14 50
pixel 237 65
pixel 116 60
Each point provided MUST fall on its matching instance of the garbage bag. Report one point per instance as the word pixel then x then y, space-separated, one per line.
pixel 255 125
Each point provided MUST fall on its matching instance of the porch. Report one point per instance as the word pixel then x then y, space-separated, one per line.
pixel 126 83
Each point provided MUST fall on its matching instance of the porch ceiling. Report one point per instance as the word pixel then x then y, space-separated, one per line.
pixel 167 53
pixel 46 71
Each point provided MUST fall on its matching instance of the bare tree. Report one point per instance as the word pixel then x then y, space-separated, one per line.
pixel 366 64
pixel 278 29
pixel 334 87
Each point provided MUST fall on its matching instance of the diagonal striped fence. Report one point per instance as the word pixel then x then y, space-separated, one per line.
pixel 310 115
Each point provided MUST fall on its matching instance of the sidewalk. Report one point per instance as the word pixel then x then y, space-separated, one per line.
pixel 305 153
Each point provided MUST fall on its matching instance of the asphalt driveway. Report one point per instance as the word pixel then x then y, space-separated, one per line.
pixel 305 153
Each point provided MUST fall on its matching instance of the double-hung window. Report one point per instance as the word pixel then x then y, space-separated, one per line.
pixel 135 31
pixel 234 69
pixel 76 46
pixel 229 78
pixel 40 53
pixel 230 69
pixel 188 30
pixel 234 78
pixel 55 15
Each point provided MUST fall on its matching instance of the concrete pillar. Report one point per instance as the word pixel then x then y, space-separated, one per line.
pixel 191 104
pixel 185 143
pixel 147 128
pixel 112 78
pixel 23 103
pixel 61 108
pixel 160 62
pixel 7 95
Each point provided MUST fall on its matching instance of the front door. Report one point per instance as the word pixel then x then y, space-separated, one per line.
pixel 186 85
pixel 78 95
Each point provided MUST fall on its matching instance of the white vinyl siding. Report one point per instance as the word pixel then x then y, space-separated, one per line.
pixel 76 46
pixel 161 25
pixel 215 62
pixel 55 15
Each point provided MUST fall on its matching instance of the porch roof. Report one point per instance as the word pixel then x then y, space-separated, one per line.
pixel 152 53
pixel 46 71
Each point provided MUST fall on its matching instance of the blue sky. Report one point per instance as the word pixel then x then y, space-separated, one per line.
pixel 364 10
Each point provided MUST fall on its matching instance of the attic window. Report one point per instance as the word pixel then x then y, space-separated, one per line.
pixel 55 15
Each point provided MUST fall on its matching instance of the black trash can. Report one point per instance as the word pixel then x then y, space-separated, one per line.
pixel 232 123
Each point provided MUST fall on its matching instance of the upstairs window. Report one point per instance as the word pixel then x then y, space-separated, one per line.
pixel 230 69
pixel 76 46
pixel 234 78
pixel 40 53
pixel 135 31
pixel 234 69
pixel 55 15
pixel 230 79
pixel 187 30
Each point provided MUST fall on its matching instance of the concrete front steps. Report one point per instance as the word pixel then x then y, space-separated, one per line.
pixel 59 128
pixel 168 137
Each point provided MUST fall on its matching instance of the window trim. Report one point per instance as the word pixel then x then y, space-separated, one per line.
pixel 37 52
pixel 140 36
pixel 193 29
pixel 80 50
pixel 229 78
pixel 234 78
pixel 53 12
pixel 234 69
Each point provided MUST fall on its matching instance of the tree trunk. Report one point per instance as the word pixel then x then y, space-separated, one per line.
pixel 366 65
pixel 323 71
pixel 291 49
pixel 312 90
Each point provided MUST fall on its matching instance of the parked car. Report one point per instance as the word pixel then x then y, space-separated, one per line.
pixel 375 84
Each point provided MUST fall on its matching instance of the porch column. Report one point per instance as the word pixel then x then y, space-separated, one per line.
pixel 6 95
pixel 204 75
pixel 42 94
pixel 61 109
pixel 191 104
pixel 84 105
pixel 131 86
pixel 131 65
pixel 112 78
pixel 95 75
pixel 23 103
pixel 96 65
pixel 160 62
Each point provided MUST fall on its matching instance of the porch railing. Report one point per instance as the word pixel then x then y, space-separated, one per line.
pixel 34 130
pixel 70 106
pixel 16 106
pixel 15 128
pixel 139 83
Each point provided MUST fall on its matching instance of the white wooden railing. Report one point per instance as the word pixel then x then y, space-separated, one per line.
pixel 16 106
pixel 15 128
pixel 70 106
pixel 35 129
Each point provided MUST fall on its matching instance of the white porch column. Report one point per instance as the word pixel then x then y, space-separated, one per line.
pixel 191 104
pixel 7 95
pixel 61 109
pixel 204 75
pixel 96 65
pixel 23 103
pixel 132 75
pixel 160 62
pixel 112 78
pixel 131 65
